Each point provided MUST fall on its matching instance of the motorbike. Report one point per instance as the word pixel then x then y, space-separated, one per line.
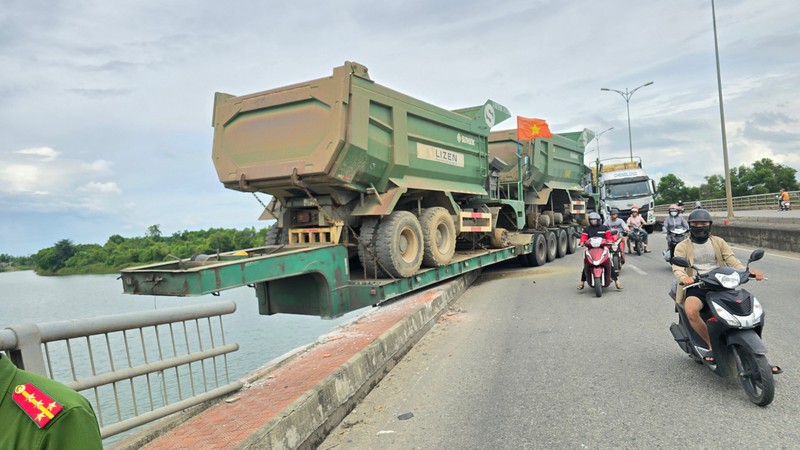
pixel 597 263
pixel 636 240
pixel 617 247
pixel 674 237
pixel 735 320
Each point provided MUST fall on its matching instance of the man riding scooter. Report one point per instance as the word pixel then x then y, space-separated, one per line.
pixel 595 229
pixel 618 226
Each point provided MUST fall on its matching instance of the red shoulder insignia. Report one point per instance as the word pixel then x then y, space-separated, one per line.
pixel 36 404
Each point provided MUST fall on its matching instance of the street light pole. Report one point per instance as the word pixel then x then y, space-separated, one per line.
pixel 627 96
pixel 597 163
pixel 728 190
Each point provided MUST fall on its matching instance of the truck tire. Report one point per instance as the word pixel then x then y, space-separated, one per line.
pixel 398 246
pixel 276 236
pixel 367 235
pixel 561 250
pixel 558 218
pixel 552 217
pixel 572 241
pixel 538 257
pixel 552 244
pixel 544 220
pixel 438 237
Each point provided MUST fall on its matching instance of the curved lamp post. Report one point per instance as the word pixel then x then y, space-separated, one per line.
pixel 627 96
pixel 597 163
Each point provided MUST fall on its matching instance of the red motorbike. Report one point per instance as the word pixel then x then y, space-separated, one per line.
pixel 597 262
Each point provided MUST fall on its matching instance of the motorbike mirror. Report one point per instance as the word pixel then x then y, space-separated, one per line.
pixel 756 255
pixel 680 261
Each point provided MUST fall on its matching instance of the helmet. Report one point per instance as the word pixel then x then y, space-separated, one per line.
pixel 614 211
pixel 673 206
pixel 700 215
pixel 699 235
pixel 634 210
pixel 674 210
pixel 594 219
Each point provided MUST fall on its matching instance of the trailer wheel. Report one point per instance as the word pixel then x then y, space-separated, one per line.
pixel 544 220
pixel 552 244
pixel 572 241
pixel 276 236
pixel 399 244
pixel 367 235
pixel 558 218
pixel 539 255
pixel 561 250
pixel 499 238
pixel 438 237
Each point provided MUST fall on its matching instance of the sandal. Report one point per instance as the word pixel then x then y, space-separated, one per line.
pixel 709 357
pixel 617 284
pixel 776 370
pixel 580 285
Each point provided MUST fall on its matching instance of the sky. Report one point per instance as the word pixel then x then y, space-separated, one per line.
pixel 105 106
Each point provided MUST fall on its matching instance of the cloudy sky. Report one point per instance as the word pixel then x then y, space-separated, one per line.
pixel 105 106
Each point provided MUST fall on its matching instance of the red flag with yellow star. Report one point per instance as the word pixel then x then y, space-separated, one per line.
pixel 532 128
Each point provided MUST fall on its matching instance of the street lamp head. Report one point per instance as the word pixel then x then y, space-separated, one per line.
pixel 605 89
pixel 648 83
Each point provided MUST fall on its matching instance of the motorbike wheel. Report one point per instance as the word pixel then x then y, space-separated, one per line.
pixel 756 377
pixel 638 248
pixel 615 261
pixel 598 287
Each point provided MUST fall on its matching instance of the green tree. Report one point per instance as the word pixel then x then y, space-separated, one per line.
pixel 714 187
pixel 154 232
pixel 670 189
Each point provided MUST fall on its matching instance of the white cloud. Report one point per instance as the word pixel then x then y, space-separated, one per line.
pixel 102 188
pixel 46 153
pixel 18 178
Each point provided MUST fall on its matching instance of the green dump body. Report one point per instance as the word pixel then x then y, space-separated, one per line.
pixel 347 133
pixel 555 162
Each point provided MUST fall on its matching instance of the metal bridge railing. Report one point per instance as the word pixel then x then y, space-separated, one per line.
pixel 136 367
pixel 744 203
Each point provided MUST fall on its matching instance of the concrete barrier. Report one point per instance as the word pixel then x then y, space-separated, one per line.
pixel 759 232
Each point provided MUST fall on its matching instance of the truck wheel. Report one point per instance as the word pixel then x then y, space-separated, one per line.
pixel 558 218
pixel 438 237
pixel 276 236
pixel 561 250
pixel 544 220
pixel 539 255
pixel 399 244
pixel 367 235
pixel 572 241
pixel 552 244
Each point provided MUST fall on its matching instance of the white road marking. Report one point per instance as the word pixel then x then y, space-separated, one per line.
pixel 636 269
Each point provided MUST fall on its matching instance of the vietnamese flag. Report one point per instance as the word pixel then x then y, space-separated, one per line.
pixel 532 128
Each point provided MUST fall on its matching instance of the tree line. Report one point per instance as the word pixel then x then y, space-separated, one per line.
pixel 762 177
pixel 67 258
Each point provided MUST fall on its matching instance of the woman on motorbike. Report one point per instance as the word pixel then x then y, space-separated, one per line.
pixel 672 221
pixel 636 222
pixel 596 228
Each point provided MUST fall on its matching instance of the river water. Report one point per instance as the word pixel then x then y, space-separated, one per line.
pixel 26 297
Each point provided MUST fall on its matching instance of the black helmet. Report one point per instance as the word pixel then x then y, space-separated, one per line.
pixel 700 215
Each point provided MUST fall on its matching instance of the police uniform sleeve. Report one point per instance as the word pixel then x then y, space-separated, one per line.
pixel 76 429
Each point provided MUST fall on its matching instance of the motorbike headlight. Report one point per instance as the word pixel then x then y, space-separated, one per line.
pixel 726 316
pixel 728 281
pixel 758 311
pixel 595 242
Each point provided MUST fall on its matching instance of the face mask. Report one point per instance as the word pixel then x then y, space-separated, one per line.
pixel 673 213
pixel 700 235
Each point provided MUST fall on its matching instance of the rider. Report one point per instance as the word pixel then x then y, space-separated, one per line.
pixel 635 221
pixel 784 200
pixel 594 229
pixel 618 226
pixel 705 253
pixel 673 220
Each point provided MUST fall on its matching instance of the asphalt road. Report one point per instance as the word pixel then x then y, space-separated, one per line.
pixel 525 360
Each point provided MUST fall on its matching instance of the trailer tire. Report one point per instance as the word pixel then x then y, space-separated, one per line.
pixel 572 241
pixel 438 237
pixel 552 244
pixel 399 244
pixel 499 238
pixel 544 220
pixel 276 236
pixel 561 250
pixel 551 216
pixel 538 257
pixel 558 218
pixel 366 246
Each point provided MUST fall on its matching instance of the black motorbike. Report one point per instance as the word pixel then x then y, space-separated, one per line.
pixel 735 321
pixel 636 240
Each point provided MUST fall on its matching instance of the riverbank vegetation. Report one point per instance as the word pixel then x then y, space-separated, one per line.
pixel 67 258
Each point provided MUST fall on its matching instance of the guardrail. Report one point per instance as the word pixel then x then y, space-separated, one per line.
pixel 118 360
pixel 744 203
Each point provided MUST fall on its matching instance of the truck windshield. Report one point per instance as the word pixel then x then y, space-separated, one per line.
pixel 628 190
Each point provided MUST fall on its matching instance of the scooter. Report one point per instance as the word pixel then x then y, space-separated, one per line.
pixel 636 240
pixel 597 263
pixel 735 320
pixel 617 247
pixel 674 237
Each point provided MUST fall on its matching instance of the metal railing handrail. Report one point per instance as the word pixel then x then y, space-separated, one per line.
pixel 745 202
